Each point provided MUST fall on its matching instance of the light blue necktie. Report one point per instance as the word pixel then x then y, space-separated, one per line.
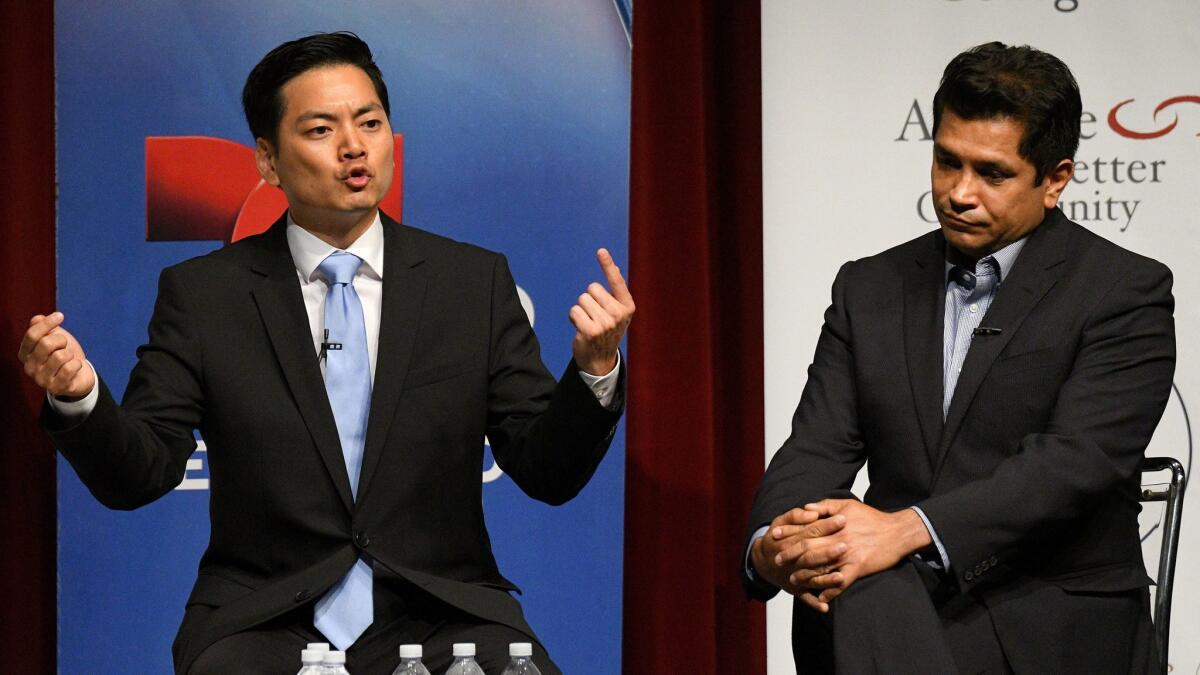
pixel 347 609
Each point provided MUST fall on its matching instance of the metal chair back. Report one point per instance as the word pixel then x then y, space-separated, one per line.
pixel 1173 496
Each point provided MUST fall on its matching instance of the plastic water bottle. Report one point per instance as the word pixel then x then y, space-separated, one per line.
pixel 520 661
pixel 464 660
pixel 335 663
pixel 410 661
pixel 310 662
pixel 318 646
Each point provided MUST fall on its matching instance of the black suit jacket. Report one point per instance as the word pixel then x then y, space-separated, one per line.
pixel 230 353
pixel 1032 479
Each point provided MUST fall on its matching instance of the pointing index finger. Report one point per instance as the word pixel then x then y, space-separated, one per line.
pixel 616 282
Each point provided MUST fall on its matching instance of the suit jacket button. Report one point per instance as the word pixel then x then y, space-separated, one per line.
pixel 361 539
pixel 968 576
pixel 301 596
pixel 994 561
pixel 978 570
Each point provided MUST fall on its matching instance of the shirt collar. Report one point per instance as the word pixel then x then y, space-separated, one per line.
pixel 1005 259
pixel 308 250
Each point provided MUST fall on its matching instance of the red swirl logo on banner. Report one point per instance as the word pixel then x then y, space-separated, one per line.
pixel 1144 135
pixel 200 188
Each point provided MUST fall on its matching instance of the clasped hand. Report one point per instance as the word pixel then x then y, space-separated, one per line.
pixel 818 551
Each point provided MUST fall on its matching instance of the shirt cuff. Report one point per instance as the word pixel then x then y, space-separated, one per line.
pixel 77 411
pixel 933 535
pixel 758 534
pixel 603 386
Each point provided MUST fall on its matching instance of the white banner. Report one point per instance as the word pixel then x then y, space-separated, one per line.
pixel 847 94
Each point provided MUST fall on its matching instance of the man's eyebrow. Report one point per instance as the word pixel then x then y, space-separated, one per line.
pixel 325 115
pixel 314 115
pixel 370 107
pixel 992 165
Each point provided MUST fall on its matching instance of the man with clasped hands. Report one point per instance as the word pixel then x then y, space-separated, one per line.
pixel 1001 377
pixel 371 359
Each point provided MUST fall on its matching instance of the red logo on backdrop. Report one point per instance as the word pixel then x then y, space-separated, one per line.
pixel 200 188
pixel 1143 135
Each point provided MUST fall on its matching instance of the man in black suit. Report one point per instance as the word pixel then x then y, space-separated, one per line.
pixel 1001 377
pixel 344 468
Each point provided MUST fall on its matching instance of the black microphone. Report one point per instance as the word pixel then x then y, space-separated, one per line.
pixel 984 330
pixel 326 345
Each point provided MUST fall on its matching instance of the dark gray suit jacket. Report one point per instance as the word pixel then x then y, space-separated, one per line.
pixel 230 353
pixel 1032 479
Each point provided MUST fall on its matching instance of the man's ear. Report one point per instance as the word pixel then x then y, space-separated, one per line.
pixel 264 159
pixel 1056 181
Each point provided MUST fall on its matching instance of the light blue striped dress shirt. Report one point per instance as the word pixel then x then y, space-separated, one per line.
pixel 969 294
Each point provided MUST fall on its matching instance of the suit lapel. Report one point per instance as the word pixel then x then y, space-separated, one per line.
pixel 405 278
pixel 1032 276
pixel 281 307
pixel 924 299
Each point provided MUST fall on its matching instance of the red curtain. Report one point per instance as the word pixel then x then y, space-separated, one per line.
pixel 695 426
pixel 27 478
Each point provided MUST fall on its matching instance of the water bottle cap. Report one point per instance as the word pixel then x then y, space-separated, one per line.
pixel 520 649
pixel 335 658
pixel 410 651
pixel 464 649
pixel 318 646
pixel 311 657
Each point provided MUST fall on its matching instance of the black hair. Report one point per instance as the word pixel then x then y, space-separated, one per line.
pixel 262 99
pixel 1030 86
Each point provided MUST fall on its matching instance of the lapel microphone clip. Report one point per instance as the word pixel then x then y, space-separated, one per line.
pixel 327 346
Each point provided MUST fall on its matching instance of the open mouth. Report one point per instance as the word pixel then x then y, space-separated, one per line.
pixel 358 178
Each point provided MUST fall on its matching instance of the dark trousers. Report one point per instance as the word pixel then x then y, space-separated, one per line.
pixel 908 620
pixel 404 615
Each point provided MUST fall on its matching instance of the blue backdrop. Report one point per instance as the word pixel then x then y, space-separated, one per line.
pixel 515 117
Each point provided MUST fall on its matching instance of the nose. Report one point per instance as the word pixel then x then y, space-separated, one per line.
pixel 352 145
pixel 963 196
